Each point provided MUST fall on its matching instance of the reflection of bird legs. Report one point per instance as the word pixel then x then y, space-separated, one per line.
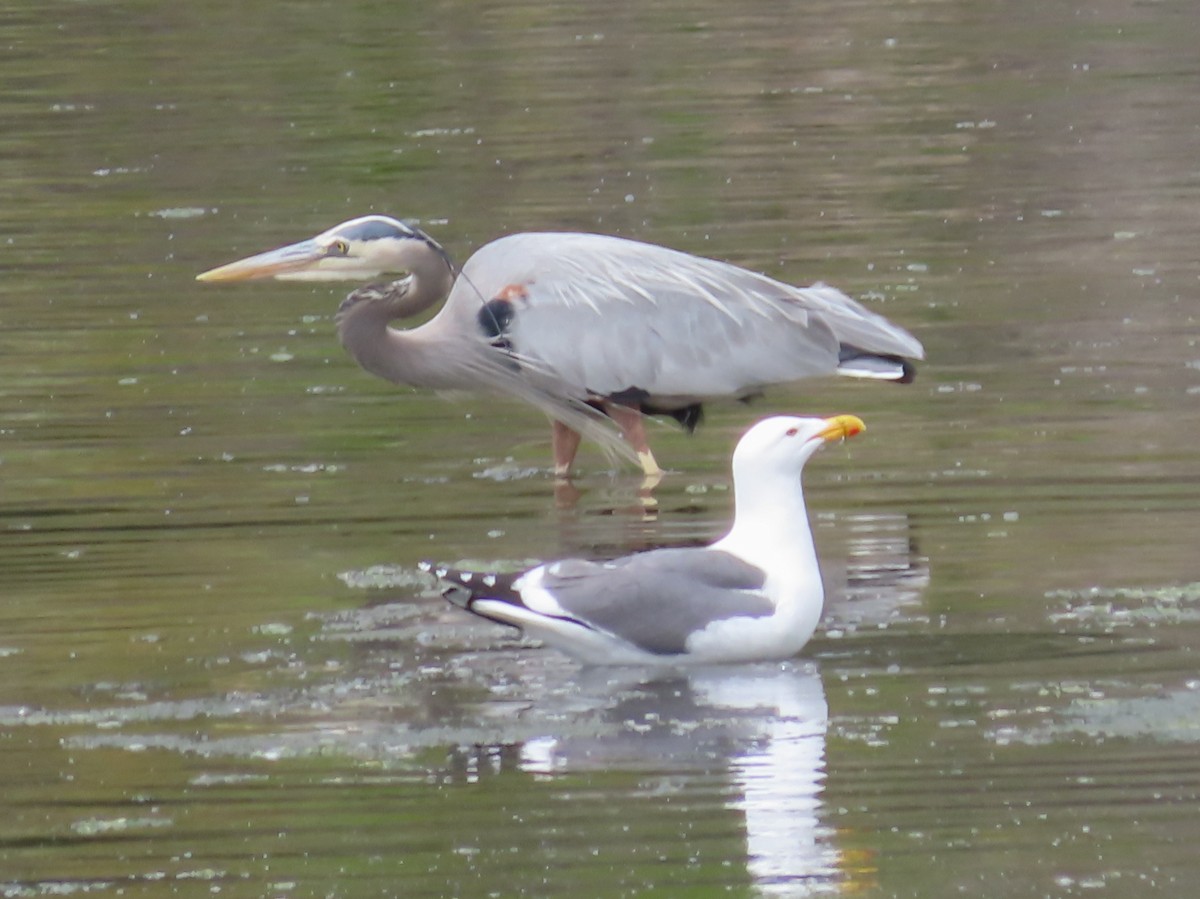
pixel 566 494
pixel 565 442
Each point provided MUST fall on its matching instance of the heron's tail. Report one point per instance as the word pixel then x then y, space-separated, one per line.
pixel 856 363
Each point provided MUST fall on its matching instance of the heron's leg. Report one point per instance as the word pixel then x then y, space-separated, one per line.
pixel 565 443
pixel 633 429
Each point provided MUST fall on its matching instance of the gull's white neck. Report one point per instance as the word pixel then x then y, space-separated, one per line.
pixel 770 527
pixel 771 531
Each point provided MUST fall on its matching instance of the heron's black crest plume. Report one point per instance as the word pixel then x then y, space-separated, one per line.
pixel 378 229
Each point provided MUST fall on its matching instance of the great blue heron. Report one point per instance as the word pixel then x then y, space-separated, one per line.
pixel 576 323
pixel 755 594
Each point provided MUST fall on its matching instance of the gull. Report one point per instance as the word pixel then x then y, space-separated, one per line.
pixel 754 595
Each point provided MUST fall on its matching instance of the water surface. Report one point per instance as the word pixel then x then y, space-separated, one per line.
pixel 219 668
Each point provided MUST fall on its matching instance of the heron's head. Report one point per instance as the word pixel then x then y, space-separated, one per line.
pixel 361 249
pixel 782 444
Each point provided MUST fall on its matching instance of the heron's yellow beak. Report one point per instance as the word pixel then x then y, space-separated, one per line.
pixel 842 426
pixel 272 264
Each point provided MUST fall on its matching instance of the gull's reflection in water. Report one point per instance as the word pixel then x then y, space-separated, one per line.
pixel 763 726
pixel 781 778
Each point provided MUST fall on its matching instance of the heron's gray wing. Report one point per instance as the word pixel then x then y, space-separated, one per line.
pixel 655 600
pixel 606 314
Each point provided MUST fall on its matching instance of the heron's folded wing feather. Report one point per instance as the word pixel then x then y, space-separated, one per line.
pixel 608 314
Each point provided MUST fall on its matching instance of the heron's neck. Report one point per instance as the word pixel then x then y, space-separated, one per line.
pixel 418 357
pixel 431 280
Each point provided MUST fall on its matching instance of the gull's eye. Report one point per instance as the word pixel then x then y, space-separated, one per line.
pixel 792 432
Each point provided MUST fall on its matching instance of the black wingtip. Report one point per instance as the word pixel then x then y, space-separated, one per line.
pixel 458 596
pixel 461 588
pixel 452 589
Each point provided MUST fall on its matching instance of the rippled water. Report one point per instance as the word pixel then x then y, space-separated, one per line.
pixel 220 670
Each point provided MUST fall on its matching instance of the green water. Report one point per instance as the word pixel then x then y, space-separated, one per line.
pixel 219 671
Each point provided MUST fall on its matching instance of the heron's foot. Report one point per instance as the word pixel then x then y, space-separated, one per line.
pixel 650 467
pixel 633 429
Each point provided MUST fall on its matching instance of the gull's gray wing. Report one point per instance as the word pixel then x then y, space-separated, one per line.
pixel 606 315
pixel 655 600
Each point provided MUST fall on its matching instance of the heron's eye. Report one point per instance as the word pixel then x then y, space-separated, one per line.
pixel 339 248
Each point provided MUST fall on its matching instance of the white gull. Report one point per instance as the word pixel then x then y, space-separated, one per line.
pixel 755 594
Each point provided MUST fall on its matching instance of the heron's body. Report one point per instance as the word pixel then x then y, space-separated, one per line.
pixel 580 322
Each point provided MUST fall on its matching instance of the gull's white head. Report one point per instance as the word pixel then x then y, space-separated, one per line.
pixel 781 445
